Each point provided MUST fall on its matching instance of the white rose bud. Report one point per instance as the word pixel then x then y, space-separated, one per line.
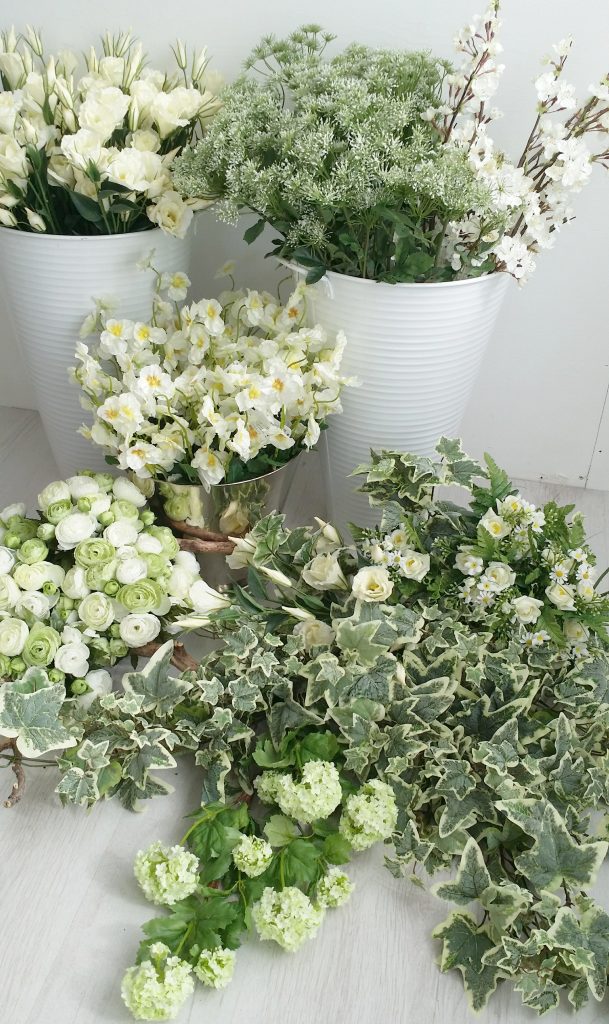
pixel 414 565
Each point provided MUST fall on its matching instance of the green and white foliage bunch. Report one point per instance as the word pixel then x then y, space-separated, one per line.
pixel 219 390
pixel 90 152
pixel 380 164
pixel 89 581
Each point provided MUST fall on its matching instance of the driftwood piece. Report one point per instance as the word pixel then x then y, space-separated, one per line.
pixel 180 658
pixel 19 784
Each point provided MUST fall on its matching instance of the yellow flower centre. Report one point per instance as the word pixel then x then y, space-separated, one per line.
pixel 278 385
pixel 116 330
pixel 154 381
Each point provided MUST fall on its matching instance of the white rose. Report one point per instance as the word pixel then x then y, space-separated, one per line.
pixel 125 490
pixel 234 519
pixel 73 659
pixel 9 592
pixel 139 629
pixel 500 575
pixel 74 585
pixel 53 492
pixel 527 609
pixel 495 525
pixel 96 611
pixel 99 682
pixel 560 595
pixel 314 633
pixel 73 528
pixel 175 109
pixel 204 599
pixel 468 563
pixel 585 590
pixel 82 487
pixel 36 604
pixel 130 570
pixel 13 634
pixel 16 509
pixel 171 214
pixel 575 631
pixel 121 533
pixel 414 565
pixel 103 110
pixel 143 92
pixel 7 560
pixel 372 584
pixel 324 573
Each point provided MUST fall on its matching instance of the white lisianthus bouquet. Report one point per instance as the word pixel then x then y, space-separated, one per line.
pixel 90 580
pixel 223 389
pixel 91 153
pixel 380 164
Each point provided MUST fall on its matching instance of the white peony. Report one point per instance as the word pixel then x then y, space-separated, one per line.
pixel 372 584
pixel 73 659
pixel 527 609
pixel 13 634
pixel 137 629
pixel 73 528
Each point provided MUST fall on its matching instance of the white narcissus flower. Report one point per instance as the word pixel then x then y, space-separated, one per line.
pixel 372 584
pixel 314 633
pixel 13 634
pixel 414 565
pixel 74 528
pixel 138 629
pixel 527 609
pixel 562 596
pixel 73 659
pixel 204 599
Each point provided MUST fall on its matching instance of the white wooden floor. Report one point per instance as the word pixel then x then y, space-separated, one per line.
pixel 70 909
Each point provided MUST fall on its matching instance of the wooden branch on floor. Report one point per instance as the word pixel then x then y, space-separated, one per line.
pixel 19 784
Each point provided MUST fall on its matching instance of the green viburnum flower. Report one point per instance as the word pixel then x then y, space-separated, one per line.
pixel 370 815
pixel 215 967
pixel 288 917
pixel 96 611
pixel 266 786
pixel 316 795
pixel 41 646
pixel 94 552
pixel 334 888
pixel 157 988
pixel 142 596
pixel 165 536
pixel 33 550
pixel 252 855
pixel 166 874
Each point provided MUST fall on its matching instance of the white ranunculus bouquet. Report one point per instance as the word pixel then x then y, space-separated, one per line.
pixel 223 389
pixel 87 582
pixel 91 153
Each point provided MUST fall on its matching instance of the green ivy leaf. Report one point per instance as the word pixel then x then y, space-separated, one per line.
pixel 556 857
pixel 472 878
pixel 464 945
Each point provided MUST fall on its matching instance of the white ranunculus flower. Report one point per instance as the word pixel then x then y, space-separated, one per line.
pixel 414 565
pixel 100 683
pixel 180 582
pixel 527 609
pixel 37 604
pixel 150 545
pixel 324 573
pixel 139 629
pixel 73 659
pixel 74 585
pixel 82 487
pixel 121 533
pixel 96 611
pixel 187 560
pixel 175 109
pixel 130 570
pixel 73 528
pixel 13 634
pixel 314 633
pixel 100 503
pixel 53 492
pixel 9 592
pixel 56 573
pixel 7 560
pixel 204 599
pixel 16 509
pixel 32 577
pixel 372 584
pixel 575 631
pixel 171 214
pixel 500 575
pixel 562 596
pixel 103 110
pixel 124 490
pixel 495 525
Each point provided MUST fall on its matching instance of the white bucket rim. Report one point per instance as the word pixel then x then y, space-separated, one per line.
pixel 333 274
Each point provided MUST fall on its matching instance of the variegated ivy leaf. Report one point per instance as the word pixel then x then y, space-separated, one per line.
pixel 464 945
pixel 538 992
pixel 503 750
pixel 504 903
pixel 556 857
pixel 358 641
pixel 472 878
pixel 149 754
pixel 30 713
pixel 153 686
pixel 587 940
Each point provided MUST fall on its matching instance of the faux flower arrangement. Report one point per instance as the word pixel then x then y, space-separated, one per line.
pixel 379 164
pixel 220 390
pixel 92 153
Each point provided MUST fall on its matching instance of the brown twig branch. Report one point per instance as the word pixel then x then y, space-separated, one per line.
pixel 196 531
pixel 180 658
pixel 19 784
pixel 207 547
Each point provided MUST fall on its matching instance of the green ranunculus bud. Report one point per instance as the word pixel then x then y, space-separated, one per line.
pixel 142 596
pixel 104 481
pixel 147 517
pixel 123 509
pixel 65 603
pixel 94 552
pixel 157 564
pixel 118 649
pixel 111 588
pixel 79 686
pixel 106 518
pixel 84 504
pixel 115 629
pixel 56 676
pixel 5 667
pixel 49 588
pixel 167 539
pixel 64 613
pixel 58 510
pixel 46 531
pixel 177 507
pixel 33 550
pixel 11 540
pixel 41 646
pixel 18 667
pixel 98 575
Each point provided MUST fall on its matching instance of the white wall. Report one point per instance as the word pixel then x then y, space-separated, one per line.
pixel 540 399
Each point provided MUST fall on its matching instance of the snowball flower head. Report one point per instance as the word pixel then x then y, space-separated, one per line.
pixel 287 917
pixel 266 786
pixel 252 855
pixel 369 815
pixel 166 874
pixel 316 795
pixel 215 967
pixel 334 889
pixel 157 988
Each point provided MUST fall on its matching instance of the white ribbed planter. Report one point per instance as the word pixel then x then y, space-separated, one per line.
pixel 50 282
pixel 417 349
